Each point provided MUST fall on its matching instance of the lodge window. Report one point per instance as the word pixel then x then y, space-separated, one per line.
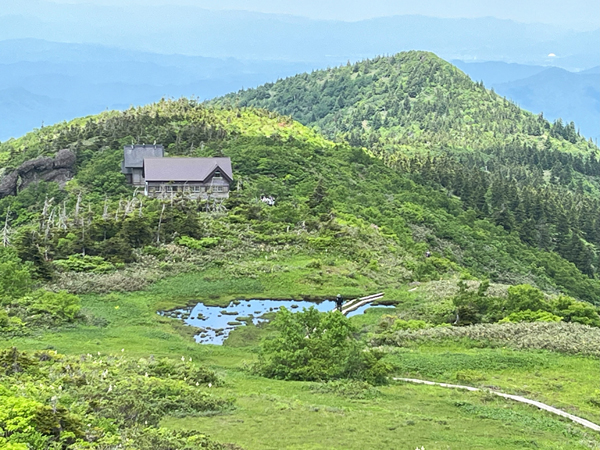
pixel 197 188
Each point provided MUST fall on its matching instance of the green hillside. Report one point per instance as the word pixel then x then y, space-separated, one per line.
pixel 88 363
pixel 426 118
pixel 327 195
pixel 412 101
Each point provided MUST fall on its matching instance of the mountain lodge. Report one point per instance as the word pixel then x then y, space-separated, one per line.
pixel 161 177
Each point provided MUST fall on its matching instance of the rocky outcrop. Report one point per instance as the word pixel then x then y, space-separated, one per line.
pixel 58 169
pixel 8 184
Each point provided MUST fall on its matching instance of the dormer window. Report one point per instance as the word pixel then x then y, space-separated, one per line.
pixel 217 174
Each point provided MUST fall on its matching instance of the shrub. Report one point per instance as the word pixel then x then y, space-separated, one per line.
pixel 475 306
pixel 198 244
pixel 439 312
pixel 12 361
pixel 166 439
pixel 45 307
pixel 314 346
pixel 148 399
pixel 80 263
pixel 315 264
pixel 15 277
pixel 100 402
pixel 9 325
pixel 167 368
pixel 575 311
pixel 531 316
pixel 525 297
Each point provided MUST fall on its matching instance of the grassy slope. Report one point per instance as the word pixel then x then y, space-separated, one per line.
pixel 277 415
pixel 498 158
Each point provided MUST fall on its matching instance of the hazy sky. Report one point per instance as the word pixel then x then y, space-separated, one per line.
pixel 574 13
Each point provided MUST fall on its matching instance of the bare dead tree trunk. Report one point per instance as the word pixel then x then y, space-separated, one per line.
pixel 44 213
pixel 49 224
pixel 105 212
pixel 6 230
pixel 62 217
pixel 159 224
pixel 82 238
pixel 77 206
pixel 118 210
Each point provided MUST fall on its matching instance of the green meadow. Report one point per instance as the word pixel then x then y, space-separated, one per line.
pixel 274 414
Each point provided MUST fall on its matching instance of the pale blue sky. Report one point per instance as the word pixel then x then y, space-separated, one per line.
pixel 572 13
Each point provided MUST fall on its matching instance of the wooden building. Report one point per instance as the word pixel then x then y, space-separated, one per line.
pixel 133 161
pixel 193 177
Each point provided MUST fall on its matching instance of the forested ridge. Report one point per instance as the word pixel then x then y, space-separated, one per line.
pixel 412 101
pixel 426 118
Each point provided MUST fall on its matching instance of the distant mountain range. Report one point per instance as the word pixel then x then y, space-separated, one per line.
pixel 50 82
pixel 556 92
pixel 60 61
pixel 248 35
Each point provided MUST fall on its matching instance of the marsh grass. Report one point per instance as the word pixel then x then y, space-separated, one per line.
pixel 467 365
pixel 562 337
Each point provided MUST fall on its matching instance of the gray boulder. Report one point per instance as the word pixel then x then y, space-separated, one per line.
pixel 58 169
pixel 8 184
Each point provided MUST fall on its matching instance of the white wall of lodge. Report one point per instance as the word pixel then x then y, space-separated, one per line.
pixel 214 188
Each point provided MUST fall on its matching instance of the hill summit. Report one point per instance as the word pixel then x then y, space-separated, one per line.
pixel 412 100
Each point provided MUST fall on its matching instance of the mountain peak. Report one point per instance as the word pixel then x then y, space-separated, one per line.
pixel 411 99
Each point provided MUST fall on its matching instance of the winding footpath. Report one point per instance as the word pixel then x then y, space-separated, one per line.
pixel 517 398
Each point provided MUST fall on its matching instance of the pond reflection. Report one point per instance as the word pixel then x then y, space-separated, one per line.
pixel 216 322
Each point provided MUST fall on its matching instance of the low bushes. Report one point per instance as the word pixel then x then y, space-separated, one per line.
pixel 524 303
pixel 53 401
pixel 198 244
pixel 15 276
pixel 21 307
pixel 531 316
pixel 84 263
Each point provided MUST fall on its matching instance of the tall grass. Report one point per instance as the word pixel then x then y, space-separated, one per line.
pixel 559 337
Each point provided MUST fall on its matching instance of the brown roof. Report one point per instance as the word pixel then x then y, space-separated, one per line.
pixel 185 169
